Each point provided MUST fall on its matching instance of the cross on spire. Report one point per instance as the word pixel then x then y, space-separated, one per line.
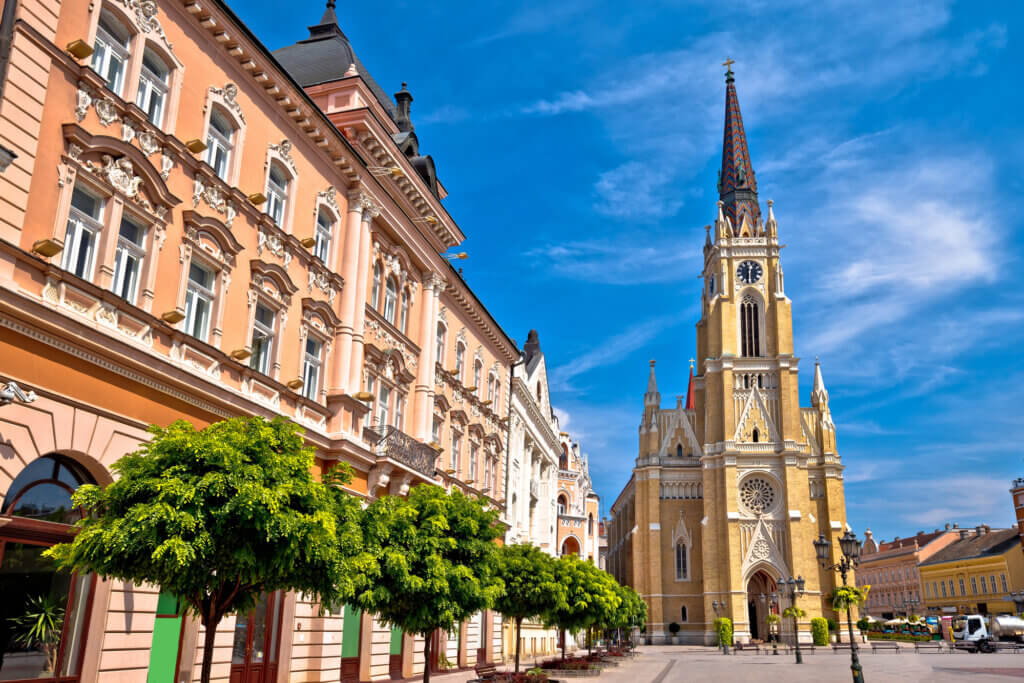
pixel 729 61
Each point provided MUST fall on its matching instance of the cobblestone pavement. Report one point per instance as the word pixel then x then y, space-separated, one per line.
pixel 672 664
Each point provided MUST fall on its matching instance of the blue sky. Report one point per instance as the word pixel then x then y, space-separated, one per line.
pixel 579 142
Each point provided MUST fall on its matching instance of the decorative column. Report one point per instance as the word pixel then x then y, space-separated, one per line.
pixel 349 263
pixel 432 285
pixel 370 211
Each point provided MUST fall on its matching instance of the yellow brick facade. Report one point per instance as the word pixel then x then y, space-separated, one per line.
pixel 732 485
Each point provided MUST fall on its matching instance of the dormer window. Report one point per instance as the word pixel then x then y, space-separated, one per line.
pixel 110 51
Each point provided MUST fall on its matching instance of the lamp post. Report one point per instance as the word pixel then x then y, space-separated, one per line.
pixel 794 590
pixel 1018 600
pixel 910 606
pixel 850 547
pixel 715 605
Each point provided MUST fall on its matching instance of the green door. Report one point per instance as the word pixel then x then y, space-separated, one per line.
pixel 163 657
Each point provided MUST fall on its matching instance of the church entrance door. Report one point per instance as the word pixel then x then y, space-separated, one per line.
pixel 762 600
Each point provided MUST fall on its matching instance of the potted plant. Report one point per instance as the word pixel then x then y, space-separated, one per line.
pixel 673 628
pixel 40 626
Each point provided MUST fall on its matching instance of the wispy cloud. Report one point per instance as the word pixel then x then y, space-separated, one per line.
pixel 963 498
pixel 620 262
pixel 637 191
pixel 530 19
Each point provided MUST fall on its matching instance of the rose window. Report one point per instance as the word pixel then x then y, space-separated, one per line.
pixel 757 495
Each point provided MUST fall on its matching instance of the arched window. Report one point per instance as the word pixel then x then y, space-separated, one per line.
pixel 277 194
pixel 375 292
pixel 756 436
pixel 153 79
pixel 590 524
pixel 390 299
pixel 403 318
pixel 324 234
pixel 563 504
pixel 43 490
pixel 440 344
pixel 478 370
pixel 460 360
pixel 563 459
pixel 220 139
pixel 681 566
pixel 110 51
pixel 679 450
pixel 682 614
pixel 750 334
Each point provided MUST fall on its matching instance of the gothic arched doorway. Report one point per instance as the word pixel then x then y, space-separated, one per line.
pixel 570 546
pixel 762 600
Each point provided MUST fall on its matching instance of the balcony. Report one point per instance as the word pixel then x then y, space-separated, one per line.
pixel 391 442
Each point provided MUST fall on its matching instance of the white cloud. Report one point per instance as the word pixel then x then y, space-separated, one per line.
pixel 637 191
pixel 535 19
pixel 622 262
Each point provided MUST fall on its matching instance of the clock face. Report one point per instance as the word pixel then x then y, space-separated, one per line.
pixel 749 272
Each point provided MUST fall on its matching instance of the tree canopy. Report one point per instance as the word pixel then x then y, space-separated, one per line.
pixel 219 517
pixel 530 585
pixel 592 597
pixel 436 564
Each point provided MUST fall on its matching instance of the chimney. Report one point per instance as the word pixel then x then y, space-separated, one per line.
pixel 403 98
pixel 964 533
pixel 956 525
pixel 947 526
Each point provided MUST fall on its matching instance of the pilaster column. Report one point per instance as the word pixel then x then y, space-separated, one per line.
pixel 349 264
pixel 370 211
pixel 428 350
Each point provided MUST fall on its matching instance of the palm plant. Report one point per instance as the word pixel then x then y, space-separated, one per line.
pixel 41 625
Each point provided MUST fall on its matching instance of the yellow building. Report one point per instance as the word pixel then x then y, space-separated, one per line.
pixel 974 574
pixel 732 484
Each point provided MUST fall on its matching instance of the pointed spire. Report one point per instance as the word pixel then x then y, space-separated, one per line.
pixel 329 16
pixel 403 100
pixel 819 394
pixel 690 405
pixel 737 185
pixel 328 25
pixel 652 382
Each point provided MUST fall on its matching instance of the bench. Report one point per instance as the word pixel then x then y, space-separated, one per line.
pixel 890 645
pixel 930 646
pixel 782 648
pixel 749 649
pixel 1010 646
pixel 486 672
pixel 840 647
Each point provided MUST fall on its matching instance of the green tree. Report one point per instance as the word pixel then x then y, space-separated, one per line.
pixel 592 598
pixel 220 516
pixel 531 587
pixel 436 561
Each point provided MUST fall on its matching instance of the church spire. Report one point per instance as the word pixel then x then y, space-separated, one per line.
pixel 652 396
pixel 737 185
pixel 819 394
pixel 690 405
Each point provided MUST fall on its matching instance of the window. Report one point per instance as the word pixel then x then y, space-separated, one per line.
pixel 487 471
pixel 473 452
pixel 478 370
pixel 110 51
pixel 128 259
pixel 682 614
pixel 435 430
pixel 153 87
pixel 84 227
pixel 262 339
pixel 563 503
pixel 312 361
pixel 944 589
pixel 750 336
pixel 679 450
pixel 681 573
pixel 963 590
pixel 490 388
pixel 219 143
pixel 440 344
pixel 927 590
pixel 390 299
pixel 198 301
pixel 375 292
pixel 992 579
pixel 1002 578
pixel 383 399
pixel 952 590
pixel 399 411
pixel 460 360
pixel 277 194
pixel 456 450
pixel 590 524
pixel 403 319
pixel 974 585
pixel 322 246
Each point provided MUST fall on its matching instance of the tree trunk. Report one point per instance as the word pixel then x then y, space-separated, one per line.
pixel 590 641
pixel 426 657
pixel 519 629
pixel 209 637
pixel 563 644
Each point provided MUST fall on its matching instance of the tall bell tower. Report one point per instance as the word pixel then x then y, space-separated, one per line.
pixel 767 463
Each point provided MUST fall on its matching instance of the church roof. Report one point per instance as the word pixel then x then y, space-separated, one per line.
pixel 326 56
pixel 737 184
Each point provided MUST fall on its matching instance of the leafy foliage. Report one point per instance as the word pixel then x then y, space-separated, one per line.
pixel 723 627
pixel 794 612
pixel 844 597
pixel 220 516
pixel 40 625
pixel 863 624
pixel 674 627
pixel 593 598
pixel 530 586
pixel 819 630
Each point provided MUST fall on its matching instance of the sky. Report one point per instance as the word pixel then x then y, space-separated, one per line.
pixel 579 142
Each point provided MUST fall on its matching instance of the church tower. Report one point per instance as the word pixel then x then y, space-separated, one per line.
pixel 733 484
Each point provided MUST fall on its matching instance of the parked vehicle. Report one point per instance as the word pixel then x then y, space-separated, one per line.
pixel 978 633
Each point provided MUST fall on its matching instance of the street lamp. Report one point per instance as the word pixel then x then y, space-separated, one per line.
pixel 1018 600
pixel 794 590
pixel 715 605
pixel 912 603
pixel 850 547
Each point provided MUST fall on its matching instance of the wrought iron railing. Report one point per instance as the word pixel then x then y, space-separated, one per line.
pixel 391 442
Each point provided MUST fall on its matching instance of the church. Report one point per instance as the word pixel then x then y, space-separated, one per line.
pixel 734 482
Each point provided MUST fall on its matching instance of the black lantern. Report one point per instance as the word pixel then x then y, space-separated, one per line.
pixel 799 584
pixel 821 547
pixel 850 546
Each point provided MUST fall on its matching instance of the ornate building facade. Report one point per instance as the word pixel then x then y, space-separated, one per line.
pixel 734 482
pixel 194 228
pixel 891 569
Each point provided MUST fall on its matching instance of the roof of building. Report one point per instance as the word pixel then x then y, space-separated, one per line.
pixel 326 56
pixel 531 351
pixel 900 543
pixel 987 543
pixel 737 185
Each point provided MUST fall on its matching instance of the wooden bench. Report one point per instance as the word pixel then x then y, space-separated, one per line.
pixel 782 648
pixel 930 646
pixel 748 649
pixel 884 645
pixel 486 672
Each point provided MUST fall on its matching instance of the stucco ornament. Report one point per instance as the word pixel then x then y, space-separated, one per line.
pixel 83 102
pixel 322 281
pixel 166 164
pixel 144 15
pixel 284 150
pixel 147 142
pixel 329 197
pixel 214 198
pixel 761 550
pixel 121 174
pixel 106 110
pixel 127 130
pixel 229 92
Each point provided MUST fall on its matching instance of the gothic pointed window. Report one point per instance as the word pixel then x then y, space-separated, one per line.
pixel 750 333
pixel 756 436
pixel 679 450
pixel 681 568
pixel 682 614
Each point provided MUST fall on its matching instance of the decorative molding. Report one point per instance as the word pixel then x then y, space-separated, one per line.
pixel 83 101
pixel 330 197
pixel 106 110
pixel 283 150
pixel 273 243
pixel 144 15
pixel 321 278
pixel 214 197
pixel 229 93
